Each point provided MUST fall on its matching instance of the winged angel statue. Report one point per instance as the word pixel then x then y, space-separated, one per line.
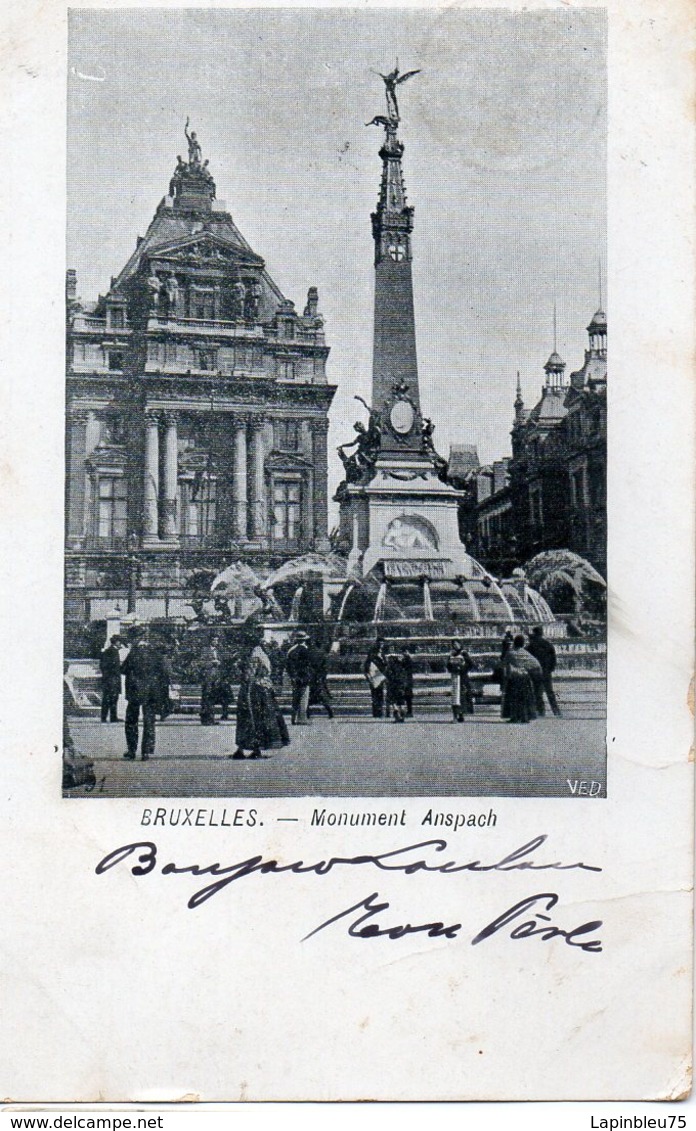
pixel 391 81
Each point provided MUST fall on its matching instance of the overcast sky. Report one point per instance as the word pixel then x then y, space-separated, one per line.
pixel 505 164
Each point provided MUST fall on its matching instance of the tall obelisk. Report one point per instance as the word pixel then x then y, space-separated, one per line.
pixel 394 366
pixel 397 514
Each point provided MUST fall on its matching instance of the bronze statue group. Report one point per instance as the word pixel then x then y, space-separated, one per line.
pixel 524 672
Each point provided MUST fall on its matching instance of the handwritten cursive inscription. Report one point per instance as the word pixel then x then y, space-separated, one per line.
pixel 411 860
pixel 373 930
pixel 533 928
pixel 363 925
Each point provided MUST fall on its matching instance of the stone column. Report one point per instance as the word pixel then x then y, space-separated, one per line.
pixel 171 477
pixel 151 480
pixel 306 449
pixel 77 478
pixel 92 437
pixel 239 472
pixel 320 429
pixel 258 487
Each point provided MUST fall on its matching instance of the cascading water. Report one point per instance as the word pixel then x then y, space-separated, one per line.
pixel 427 601
pixel 296 602
pixel 380 602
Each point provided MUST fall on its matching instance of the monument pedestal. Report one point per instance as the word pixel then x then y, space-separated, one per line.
pixel 405 521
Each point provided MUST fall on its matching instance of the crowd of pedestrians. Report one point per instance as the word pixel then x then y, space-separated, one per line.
pixel 526 676
pixel 524 672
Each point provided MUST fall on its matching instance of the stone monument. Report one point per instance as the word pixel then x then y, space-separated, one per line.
pixel 398 517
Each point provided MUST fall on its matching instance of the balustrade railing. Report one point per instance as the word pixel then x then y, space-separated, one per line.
pixel 109 544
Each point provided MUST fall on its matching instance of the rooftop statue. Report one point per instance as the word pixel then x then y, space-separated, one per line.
pixel 194 147
pixel 391 81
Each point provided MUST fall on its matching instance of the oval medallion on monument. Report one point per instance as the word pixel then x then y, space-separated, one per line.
pixel 401 417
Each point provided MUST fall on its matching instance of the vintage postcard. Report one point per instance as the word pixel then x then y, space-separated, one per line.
pixel 356 577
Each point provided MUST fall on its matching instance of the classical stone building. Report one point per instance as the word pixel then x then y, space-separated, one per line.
pixel 585 436
pixel 538 468
pixel 552 493
pixel 197 403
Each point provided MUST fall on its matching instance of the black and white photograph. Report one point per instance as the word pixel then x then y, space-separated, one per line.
pixel 336 423
pixel 348 620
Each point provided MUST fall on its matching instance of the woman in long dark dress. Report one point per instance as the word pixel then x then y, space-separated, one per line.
pixel 260 722
pixel 459 664
pixel 397 685
pixel 521 669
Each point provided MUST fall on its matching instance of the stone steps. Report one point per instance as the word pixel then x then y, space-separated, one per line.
pixel 581 693
pixel 581 697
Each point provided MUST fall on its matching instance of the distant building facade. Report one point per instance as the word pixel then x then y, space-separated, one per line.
pixel 585 436
pixel 197 414
pixel 551 493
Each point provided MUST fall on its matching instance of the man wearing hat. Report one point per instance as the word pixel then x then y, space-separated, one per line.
pixel 144 672
pixel 299 668
pixel 110 667
pixel 544 651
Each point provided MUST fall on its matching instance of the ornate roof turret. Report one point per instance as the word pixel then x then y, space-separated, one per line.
pixel 193 262
pixel 520 414
pixel 555 366
pixel 597 331
pixel 551 408
pixel 596 355
pixel 555 370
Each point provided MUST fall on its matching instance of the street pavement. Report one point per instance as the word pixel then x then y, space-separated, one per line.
pixel 355 758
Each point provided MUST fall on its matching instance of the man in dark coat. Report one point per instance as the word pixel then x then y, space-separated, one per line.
pixel 142 668
pixel 506 643
pixel 544 651
pixel 110 667
pixel 297 665
pixel 319 694
pixel 407 665
pixel 276 655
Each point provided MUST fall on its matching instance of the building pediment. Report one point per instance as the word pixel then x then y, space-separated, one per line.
pixel 107 458
pixel 206 250
pixel 287 461
pixel 193 461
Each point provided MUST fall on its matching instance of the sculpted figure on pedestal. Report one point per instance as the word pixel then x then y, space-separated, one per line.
pixel 391 81
pixel 194 148
pixel 153 286
pixel 238 298
pixel 427 429
pixel 176 178
pixel 367 444
pixel 172 290
pixel 253 299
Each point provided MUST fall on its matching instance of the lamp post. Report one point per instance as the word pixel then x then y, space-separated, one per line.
pixel 132 572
